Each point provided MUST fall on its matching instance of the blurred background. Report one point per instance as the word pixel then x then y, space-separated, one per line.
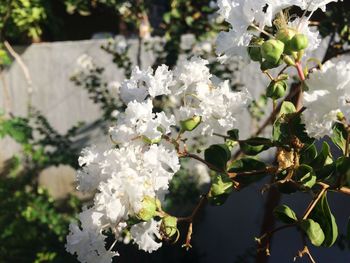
pixel 61 65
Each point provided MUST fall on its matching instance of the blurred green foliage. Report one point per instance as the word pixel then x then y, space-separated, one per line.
pixel 33 225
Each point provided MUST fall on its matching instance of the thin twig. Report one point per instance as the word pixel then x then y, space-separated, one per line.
pixel 25 72
pixel 195 211
pixel 315 201
pixel 190 219
pixel 196 157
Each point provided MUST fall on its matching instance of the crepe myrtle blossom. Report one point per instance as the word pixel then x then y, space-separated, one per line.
pixel 139 121
pixel 131 178
pixel 248 18
pixel 327 95
pixel 127 181
pixel 87 241
pixel 144 83
pixel 215 103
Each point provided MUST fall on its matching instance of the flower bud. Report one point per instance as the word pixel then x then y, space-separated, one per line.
pixel 220 190
pixel 285 34
pixel 298 42
pixel 221 185
pixel 169 226
pixel 191 123
pixel 272 50
pixel 149 141
pixel 276 89
pixel 148 210
pixel 265 65
pixel 254 49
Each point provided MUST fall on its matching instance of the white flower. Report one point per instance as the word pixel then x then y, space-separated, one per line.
pixel 120 44
pixel 220 108
pixel 276 6
pixel 241 13
pixel 139 120
pixel 88 156
pixel 144 235
pixel 113 88
pixel 160 83
pixel 189 74
pixel 328 89
pixel 143 83
pixel 85 62
pixel 89 177
pixel 232 44
pixel 88 242
pixel 136 88
pixel 313 5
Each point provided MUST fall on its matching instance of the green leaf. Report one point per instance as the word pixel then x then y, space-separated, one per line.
pixel 305 175
pixel 308 154
pixel 314 231
pixel 218 155
pixel 233 134
pixel 285 214
pixel 221 184
pixel 247 165
pixel 167 17
pixel 17 128
pixel 288 125
pixel 189 20
pixel 343 170
pixel 339 136
pixel 287 108
pixel 255 146
pixel 323 158
pixel 220 189
pixel 322 214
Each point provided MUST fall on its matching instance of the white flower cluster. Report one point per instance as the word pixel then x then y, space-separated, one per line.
pixel 139 167
pixel 245 16
pixel 328 95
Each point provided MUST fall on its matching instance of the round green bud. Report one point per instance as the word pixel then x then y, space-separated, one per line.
pixel 272 50
pixel 169 226
pixel 254 49
pixel 191 123
pixel 148 210
pixel 276 89
pixel 298 42
pixel 265 65
pixel 285 34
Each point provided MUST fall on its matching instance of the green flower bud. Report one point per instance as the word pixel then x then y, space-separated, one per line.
pixel 285 34
pixel 298 42
pixel 254 50
pixel 191 123
pixel 276 89
pixel 149 209
pixel 149 141
pixel 272 50
pixel 169 226
pixel 265 65
pixel 221 184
